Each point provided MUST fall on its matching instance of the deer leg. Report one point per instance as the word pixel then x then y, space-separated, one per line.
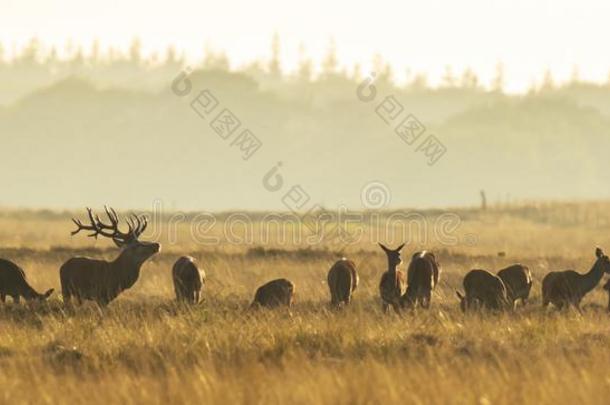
pixel 427 299
pixel 396 307
pixel 385 307
pixel 16 299
pixel 3 299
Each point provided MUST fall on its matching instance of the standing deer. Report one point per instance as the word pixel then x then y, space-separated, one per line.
pixel 14 284
pixel 565 288
pixel 275 293
pixel 188 280
pixel 392 284
pixel 518 282
pixel 99 280
pixel 342 282
pixel 422 276
pixel 484 288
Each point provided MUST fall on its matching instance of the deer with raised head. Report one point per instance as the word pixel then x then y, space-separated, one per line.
pixel 342 281
pixel 392 284
pixel 518 282
pixel 188 280
pixel 484 289
pixel 13 284
pixel 567 288
pixel 422 276
pixel 99 280
pixel 275 293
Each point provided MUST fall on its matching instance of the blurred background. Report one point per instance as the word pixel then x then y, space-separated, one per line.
pixel 517 94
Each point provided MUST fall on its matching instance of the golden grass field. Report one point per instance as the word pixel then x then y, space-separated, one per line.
pixel 145 349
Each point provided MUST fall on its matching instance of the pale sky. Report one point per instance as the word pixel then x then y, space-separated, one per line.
pixel 528 37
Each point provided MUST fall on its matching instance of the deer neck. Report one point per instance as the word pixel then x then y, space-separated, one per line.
pixel 392 267
pixel 592 278
pixel 127 269
pixel 28 292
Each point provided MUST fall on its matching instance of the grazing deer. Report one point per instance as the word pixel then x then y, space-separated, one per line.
pixel 99 280
pixel 518 282
pixel 275 293
pixel 342 282
pixel 422 276
pixel 607 288
pixel 188 280
pixel 392 284
pixel 484 288
pixel 565 288
pixel 14 284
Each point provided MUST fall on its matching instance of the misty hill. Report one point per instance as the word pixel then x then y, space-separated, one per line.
pixel 76 142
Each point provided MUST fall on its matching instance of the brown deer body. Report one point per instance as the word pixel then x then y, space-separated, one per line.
pixel 188 280
pixel 518 282
pixel 342 281
pixel 483 288
pixel 567 288
pixel 392 284
pixel 422 276
pixel 275 293
pixel 102 281
pixel 13 283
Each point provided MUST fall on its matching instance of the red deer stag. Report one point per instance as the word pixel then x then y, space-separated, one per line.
pixel 518 282
pixel 99 280
pixel 14 284
pixel 392 284
pixel 188 280
pixel 342 282
pixel 275 293
pixel 485 289
pixel 422 276
pixel 565 288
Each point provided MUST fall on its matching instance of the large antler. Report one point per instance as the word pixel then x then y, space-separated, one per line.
pixel 136 225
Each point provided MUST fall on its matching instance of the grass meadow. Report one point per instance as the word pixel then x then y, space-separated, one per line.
pixel 146 349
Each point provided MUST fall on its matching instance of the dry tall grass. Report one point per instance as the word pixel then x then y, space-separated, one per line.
pixel 144 348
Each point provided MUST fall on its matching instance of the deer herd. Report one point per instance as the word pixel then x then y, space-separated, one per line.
pixel 102 281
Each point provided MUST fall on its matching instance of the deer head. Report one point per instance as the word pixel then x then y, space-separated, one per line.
pixel 462 299
pixel 602 260
pixel 393 255
pixel 127 241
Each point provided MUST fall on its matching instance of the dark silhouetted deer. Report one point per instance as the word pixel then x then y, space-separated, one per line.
pixel 342 282
pixel 188 280
pixel 275 293
pixel 99 280
pixel 13 283
pixel 422 276
pixel 392 284
pixel 518 282
pixel 567 288
pixel 483 289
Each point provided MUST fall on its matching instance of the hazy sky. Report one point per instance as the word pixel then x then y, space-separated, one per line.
pixel 527 36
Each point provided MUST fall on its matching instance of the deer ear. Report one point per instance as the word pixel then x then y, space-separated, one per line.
pixel 459 295
pixel 599 253
pixel 385 249
pixel 399 248
pixel 48 293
